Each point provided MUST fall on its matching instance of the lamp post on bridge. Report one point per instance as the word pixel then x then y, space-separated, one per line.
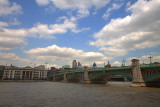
pixel 150 57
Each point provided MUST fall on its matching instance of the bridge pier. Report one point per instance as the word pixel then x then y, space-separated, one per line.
pixel 137 74
pixel 54 76
pixel 125 79
pixel 65 76
pixel 86 77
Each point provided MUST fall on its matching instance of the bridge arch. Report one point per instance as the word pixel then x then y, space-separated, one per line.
pixel 75 75
pixel 152 77
pixel 112 72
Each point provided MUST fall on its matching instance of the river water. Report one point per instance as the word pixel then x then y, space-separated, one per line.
pixel 57 94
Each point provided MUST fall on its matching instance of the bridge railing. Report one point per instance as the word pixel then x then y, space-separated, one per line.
pixel 110 69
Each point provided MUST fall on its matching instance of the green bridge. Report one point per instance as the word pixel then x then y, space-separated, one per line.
pixel 138 75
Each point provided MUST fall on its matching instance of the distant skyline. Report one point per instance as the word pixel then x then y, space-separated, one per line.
pixel 57 32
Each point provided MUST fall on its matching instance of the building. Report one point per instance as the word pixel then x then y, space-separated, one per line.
pixel 24 73
pixel 51 72
pixel 94 65
pixel 79 65
pixel 50 75
pixel 65 67
pixel 108 65
pixel 1 71
pixel 53 68
pixel 40 67
pixel 74 64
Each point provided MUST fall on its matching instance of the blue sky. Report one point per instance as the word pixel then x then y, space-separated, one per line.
pixel 59 31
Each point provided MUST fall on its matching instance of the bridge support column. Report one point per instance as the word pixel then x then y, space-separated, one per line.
pixel 54 76
pixel 137 74
pixel 125 79
pixel 65 77
pixel 86 77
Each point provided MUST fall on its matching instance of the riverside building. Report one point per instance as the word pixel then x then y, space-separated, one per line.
pixel 74 64
pixel 24 73
pixel 1 71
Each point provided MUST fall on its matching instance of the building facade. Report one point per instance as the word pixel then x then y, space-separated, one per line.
pixel 24 73
pixel 65 67
pixel 108 65
pixel 79 65
pixel 94 65
pixel 74 64
pixel 1 71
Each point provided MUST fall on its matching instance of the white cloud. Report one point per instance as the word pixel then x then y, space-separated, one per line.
pixel 42 2
pixel 113 52
pixel 83 13
pixel 64 54
pixel 128 4
pixel 15 22
pixel 12 58
pixel 81 6
pixel 117 63
pixel 2 24
pixel 7 8
pixel 47 31
pixel 143 59
pixel 12 38
pixel 114 7
pixel 95 12
pixel 138 31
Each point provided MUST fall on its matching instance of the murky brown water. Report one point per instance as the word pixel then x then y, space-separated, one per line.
pixel 56 94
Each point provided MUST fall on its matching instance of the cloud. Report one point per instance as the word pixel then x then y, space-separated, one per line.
pixel 128 4
pixel 147 60
pixel 81 6
pixel 47 31
pixel 136 31
pixel 114 7
pixel 12 38
pixel 82 13
pixel 7 8
pixel 15 22
pixel 117 63
pixel 42 2
pixel 143 59
pixel 12 58
pixel 113 52
pixel 2 24
pixel 64 54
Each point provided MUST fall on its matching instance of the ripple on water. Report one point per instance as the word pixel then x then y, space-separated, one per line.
pixel 56 94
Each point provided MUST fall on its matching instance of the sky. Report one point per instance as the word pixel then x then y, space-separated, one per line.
pixel 56 32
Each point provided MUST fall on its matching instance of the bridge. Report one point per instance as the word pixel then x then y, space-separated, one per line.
pixel 139 75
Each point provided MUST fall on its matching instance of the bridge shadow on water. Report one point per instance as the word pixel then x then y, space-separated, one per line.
pixel 155 84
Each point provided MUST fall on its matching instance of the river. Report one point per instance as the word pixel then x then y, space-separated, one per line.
pixel 57 94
